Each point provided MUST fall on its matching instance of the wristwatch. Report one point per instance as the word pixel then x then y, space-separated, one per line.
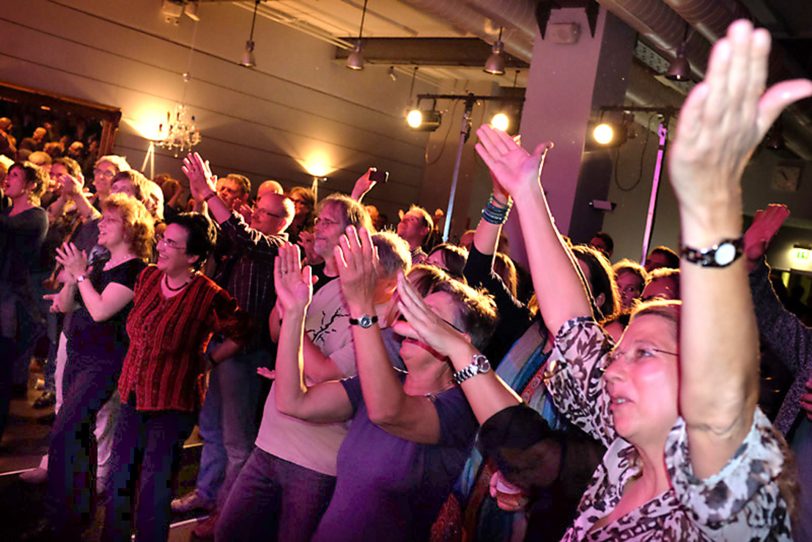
pixel 81 278
pixel 366 321
pixel 720 255
pixel 479 365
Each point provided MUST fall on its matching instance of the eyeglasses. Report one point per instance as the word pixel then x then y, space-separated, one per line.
pixel 171 243
pixel 107 174
pixel 638 353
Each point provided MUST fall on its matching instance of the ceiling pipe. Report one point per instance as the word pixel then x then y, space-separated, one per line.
pixel 468 20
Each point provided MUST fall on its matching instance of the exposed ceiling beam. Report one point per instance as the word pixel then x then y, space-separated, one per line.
pixel 469 52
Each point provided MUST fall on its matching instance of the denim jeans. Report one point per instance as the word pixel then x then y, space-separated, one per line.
pixel 272 500
pixel 72 451
pixel 150 443
pixel 228 423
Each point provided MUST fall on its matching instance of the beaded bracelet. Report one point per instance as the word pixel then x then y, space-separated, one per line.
pixel 494 212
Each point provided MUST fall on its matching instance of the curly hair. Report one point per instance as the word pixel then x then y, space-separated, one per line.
pixel 139 226
pixel 35 177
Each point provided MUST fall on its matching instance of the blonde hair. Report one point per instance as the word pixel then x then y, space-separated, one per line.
pixel 138 223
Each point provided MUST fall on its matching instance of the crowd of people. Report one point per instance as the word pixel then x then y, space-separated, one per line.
pixel 352 382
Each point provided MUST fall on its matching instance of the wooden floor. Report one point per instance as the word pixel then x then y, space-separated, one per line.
pixel 26 440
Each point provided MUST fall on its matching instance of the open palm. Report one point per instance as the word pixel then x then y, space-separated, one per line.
pixel 516 170
pixel 294 284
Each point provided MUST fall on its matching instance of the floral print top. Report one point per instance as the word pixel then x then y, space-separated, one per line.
pixel 741 502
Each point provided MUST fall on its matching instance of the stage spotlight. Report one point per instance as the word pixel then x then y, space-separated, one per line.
pixel 603 133
pixel 426 120
pixel 500 121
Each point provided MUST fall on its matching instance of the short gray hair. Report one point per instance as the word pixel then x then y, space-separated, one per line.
pixel 393 252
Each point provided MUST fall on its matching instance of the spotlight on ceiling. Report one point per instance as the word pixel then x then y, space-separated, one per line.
pixel 495 65
pixel 424 120
pixel 680 69
pixel 614 130
pixel 248 59
pixel 500 121
pixel 355 60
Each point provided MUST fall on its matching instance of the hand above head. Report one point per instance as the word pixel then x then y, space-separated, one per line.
pixel 512 167
pixel 201 180
pixel 766 224
pixel 72 259
pixel 294 284
pixel 424 325
pixel 358 264
pixel 363 185
pixel 722 121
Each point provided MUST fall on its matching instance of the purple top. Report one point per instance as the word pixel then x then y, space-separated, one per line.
pixel 389 488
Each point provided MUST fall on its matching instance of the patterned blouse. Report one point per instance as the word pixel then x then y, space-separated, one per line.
pixel 741 502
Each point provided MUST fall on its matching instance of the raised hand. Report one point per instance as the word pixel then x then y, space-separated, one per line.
pixel 72 259
pixel 515 170
pixel 201 180
pixel 307 241
pixel 363 185
pixel 358 264
pixel 766 224
pixel 723 119
pixel 71 186
pixel 294 284
pixel 423 324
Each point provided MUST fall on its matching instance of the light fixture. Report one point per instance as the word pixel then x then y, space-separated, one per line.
pixel 248 59
pixel 495 65
pixel 500 121
pixel 615 130
pixel 603 133
pixel 424 120
pixel 180 132
pixel 355 60
pixel 680 69
pixel 192 10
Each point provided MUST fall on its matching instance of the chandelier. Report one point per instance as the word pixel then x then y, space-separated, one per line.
pixel 180 133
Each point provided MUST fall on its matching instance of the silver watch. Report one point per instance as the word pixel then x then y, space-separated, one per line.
pixel 479 365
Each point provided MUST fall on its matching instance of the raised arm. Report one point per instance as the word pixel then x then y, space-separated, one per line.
pixel 559 289
pixel 389 406
pixel 326 402
pixel 486 392
pixel 721 123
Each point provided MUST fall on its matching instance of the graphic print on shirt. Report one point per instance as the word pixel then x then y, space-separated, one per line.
pixel 318 336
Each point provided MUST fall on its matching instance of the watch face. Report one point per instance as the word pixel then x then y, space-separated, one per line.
pixel 483 365
pixel 725 254
pixel 365 322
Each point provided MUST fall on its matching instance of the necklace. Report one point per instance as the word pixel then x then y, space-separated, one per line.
pixel 177 289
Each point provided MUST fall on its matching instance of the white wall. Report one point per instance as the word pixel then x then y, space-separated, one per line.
pixel 299 102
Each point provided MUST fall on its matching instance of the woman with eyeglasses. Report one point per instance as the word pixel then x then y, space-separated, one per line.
pixel 99 295
pixel 689 455
pixel 176 310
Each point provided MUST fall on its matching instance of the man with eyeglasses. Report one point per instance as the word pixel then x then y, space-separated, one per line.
pixel 245 270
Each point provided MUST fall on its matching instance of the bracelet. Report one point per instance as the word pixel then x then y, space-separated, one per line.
pixel 207 198
pixel 495 212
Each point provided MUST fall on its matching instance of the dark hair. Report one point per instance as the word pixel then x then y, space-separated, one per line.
pixel 505 268
pixel 73 167
pixel 607 240
pixel 476 310
pixel 454 258
pixel 601 280
pixel 34 175
pixel 425 277
pixel 670 256
pixel 242 180
pixel 202 235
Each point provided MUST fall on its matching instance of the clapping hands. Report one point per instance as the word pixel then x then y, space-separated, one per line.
pixel 201 179
pixel 294 283
pixel 515 169
pixel 72 259
pixel 358 265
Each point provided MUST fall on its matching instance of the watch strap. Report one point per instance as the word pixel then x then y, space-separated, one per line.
pixel 364 321
pixel 707 257
pixel 472 370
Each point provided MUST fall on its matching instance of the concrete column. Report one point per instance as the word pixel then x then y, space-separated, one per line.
pixel 566 84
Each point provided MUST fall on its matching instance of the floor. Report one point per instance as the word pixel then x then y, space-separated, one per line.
pixel 24 443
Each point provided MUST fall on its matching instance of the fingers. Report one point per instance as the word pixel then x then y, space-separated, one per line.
pixel 777 98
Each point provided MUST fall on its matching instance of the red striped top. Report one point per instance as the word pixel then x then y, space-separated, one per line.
pixel 168 337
